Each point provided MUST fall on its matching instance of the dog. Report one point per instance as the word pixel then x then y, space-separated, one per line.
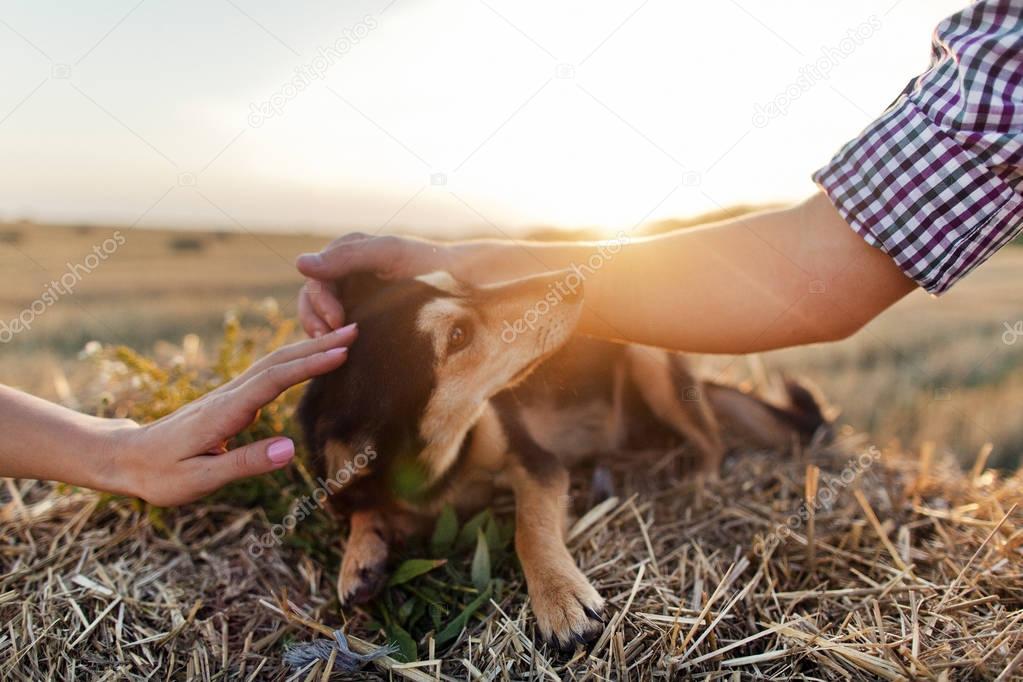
pixel 453 390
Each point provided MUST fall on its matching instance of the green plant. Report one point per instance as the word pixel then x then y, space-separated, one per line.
pixel 443 583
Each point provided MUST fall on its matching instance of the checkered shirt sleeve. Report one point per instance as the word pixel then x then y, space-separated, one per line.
pixel 937 181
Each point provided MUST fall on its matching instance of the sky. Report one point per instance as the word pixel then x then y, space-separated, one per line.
pixel 435 117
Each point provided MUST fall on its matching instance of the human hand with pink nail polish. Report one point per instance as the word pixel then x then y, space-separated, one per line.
pixel 173 460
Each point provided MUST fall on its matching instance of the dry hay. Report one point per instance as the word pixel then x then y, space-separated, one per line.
pixel 906 568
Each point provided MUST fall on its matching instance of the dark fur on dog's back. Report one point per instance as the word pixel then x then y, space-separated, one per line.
pixel 583 372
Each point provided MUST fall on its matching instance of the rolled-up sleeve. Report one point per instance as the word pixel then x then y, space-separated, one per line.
pixel 937 181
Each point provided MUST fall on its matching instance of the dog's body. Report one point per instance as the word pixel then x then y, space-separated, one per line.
pixel 451 404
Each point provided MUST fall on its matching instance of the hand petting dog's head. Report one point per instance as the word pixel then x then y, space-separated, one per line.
pixel 431 352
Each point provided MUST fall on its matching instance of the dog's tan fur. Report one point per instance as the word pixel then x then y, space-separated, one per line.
pixel 653 373
pixel 467 379
pixel 339 457
pixel 566 606
pixel 365 556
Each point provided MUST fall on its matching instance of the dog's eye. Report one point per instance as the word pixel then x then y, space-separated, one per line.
pixel 458 337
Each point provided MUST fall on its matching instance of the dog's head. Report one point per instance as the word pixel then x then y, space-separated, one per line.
pixel 389 425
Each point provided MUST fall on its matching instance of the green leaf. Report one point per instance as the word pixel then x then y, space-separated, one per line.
pixel 507 533
pixel 481 562
pixel 436 615
pixel 493 534
pixel 417 613
pixel 455 574
pixel 413 568
pixel 444 532
pixel 452 629
pixel 467 538
pixel 387 607
pixel 428 595
pixel 408 478
pixel 407 651
pixel 405 610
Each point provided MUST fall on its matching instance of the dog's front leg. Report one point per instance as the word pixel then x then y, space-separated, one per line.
pixel 363 568
pixel 567 608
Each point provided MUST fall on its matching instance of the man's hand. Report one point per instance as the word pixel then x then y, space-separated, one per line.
pixel 319 308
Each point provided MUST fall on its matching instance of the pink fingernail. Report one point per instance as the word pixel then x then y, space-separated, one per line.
pixel 334 352
pixel 281 451
pixel 347 328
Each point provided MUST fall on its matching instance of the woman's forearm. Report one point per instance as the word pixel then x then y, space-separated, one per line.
pixel 45 441
pixel 754 283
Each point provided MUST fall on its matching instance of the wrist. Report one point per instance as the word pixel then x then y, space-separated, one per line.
pixel 111 456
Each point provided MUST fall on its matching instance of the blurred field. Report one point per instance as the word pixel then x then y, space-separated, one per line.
pixel 930 369
pixel 158 285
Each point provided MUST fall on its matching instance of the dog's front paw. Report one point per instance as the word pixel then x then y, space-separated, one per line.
pixel 359 585
pixel 568 610
pixel 363 569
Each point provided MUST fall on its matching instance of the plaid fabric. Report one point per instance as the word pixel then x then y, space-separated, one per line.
pixel 937 181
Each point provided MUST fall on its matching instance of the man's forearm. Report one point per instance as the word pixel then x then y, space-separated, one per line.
pixel 754 283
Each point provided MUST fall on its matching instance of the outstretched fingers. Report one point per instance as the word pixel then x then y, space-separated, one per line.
pixel 338 339
pixel 266 384
pixel 211 472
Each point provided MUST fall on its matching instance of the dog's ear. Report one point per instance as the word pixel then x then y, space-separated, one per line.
pixel 359 287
